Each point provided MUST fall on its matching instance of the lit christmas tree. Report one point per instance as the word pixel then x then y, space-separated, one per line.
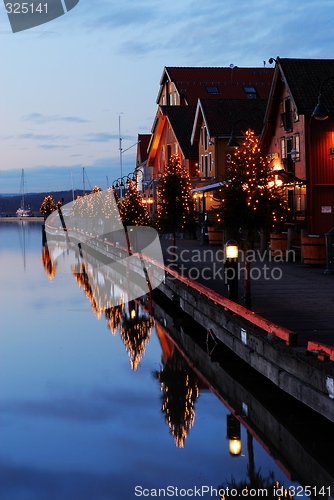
pixel 132 210
pixel 176 208
pixel 251 201
pixel 48 206
pixel 95 203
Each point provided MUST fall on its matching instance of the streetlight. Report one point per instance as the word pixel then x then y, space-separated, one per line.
pixel 320 111
pixel 231 269
pixel 120 183
pixel 233 142
pixel 122 151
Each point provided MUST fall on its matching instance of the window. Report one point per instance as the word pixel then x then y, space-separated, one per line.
pixel 290 151
pixel 204 137
pixel 210 163
pixel 162 155
pixel 212 89
pixel 286 115
pixel 206 166
pixel 296 145
pixel 282 148
pixel 169 151
pixel 250 92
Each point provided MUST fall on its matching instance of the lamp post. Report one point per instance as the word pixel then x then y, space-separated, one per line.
pixel 233 142
pixel 122 151
pixel 321 112
pixel 121 183
pixel 231 269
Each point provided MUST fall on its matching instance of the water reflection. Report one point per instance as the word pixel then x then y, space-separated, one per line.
pixel 48 262
pixel 179 392
pixel 181 384
pixel 136 328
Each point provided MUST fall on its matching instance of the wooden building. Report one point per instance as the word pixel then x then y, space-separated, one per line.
pixel 301 148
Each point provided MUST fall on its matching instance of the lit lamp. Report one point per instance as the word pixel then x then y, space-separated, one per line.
pixel 231 269
pixel 233 435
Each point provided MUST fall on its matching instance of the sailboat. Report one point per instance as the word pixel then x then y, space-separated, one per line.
pixel 23 211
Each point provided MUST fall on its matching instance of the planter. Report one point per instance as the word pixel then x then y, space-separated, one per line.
pixel 314 250
pixel 278 244
pixel 215 237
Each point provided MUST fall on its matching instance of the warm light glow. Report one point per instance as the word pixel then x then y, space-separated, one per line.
pixel 231 250
pixel 235 447
pixel 133 314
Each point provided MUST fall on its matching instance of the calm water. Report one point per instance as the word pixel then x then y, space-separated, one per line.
pixel 77 422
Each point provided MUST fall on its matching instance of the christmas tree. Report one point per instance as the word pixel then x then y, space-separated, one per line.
pixel 176 208
pixel 251 200
pixel 132 210
pixel 48 206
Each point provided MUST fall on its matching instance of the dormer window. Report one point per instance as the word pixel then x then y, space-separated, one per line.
pixel 212 89
pixel 250 92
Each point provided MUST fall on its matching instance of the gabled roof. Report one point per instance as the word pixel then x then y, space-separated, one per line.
pixel 181 119
pixel 304 78
pixel 143 142
pixel 221 116
pixel 192 82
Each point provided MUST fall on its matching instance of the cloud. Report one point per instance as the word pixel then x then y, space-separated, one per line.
pixel 105 137
pixel 53 146
pixel 124 15
pixel 100 137
pixel 41 137
pixel 41 119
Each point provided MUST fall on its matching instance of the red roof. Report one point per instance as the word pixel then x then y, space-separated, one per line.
pixel 194 83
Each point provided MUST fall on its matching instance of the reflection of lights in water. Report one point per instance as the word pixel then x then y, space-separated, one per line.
pixel 235 447
pixel 84 283
pixel 96 288
pixel 233 434
pixel 114 317
pixel 48 262
pixel 180 391
pixel 135 333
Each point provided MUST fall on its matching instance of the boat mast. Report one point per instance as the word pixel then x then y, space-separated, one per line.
pixel 22 189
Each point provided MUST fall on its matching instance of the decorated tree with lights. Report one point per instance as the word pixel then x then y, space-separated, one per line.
pixel 132 210
pixel 176 207
pixel 48 206
pixel 95 203
pixel 251 200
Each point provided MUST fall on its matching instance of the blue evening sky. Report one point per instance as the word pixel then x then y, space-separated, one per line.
pixel 64 84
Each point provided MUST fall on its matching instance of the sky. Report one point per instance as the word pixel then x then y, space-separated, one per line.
pixel 68 87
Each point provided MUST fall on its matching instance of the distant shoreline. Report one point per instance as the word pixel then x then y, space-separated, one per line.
pixel 20 219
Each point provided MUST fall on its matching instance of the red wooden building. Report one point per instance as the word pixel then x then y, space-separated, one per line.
pixel 301 148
